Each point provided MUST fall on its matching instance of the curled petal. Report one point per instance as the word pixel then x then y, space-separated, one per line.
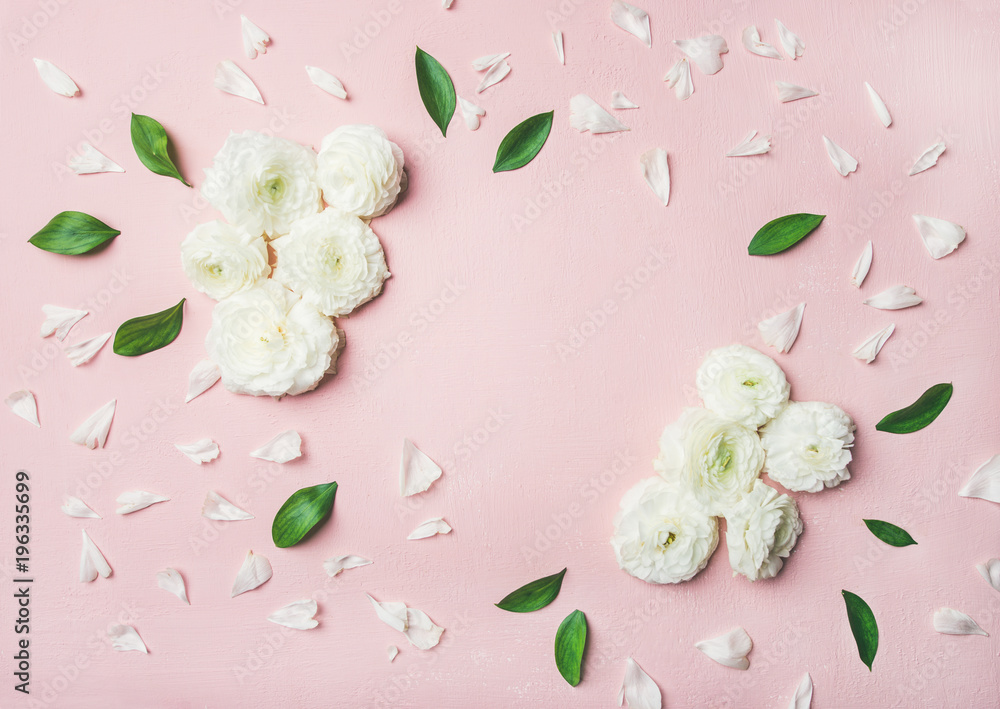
pixel 679 79
pixel 751 40
pixel 656 172
pixel 488 61
pixel 60 320
pixel 585 114
pixel 621 101
pixel 985 482
pixel 841 159
pixel 928 159
pixel 341 563
pixel 254 38
pixel 940 236
pixel 298 615
pixel 417 472
pixel 557 39
pixel 205 374
pixel 93 432
pixel 92 561
pixel 430 528
pixel 75 507
pixel 284 447
pixel 881 110
pixel 633 20
pixel 790 42
pixel 256 571
pixel 326 81
pixel 82 352
pixel 232 80
pixel 56 79
pixel 792 92
pixel 751 146
pixel 895 298
pixel 218 507
pixel 201 451
pixel 869 349
pixel 730 649
pixel 471 113
pixel 171 580
pixel 803 694
pixel 90 160
pixel 949 621
pixel 780 331
pixel 125 638
pixel 705 51
pixel 494 75
pixel 862 266
pixel 135 500
pixel 22 403
pixel 991 572
pixel 639 691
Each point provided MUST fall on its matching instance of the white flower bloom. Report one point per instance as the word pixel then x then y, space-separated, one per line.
pixel 761 531
pixel 742 384
pixel 269 342
pixel 221 260
pixel 262 183
pixel 661 533
pixel 332 260
pixel 360 171
pixel 808 446
pixel 715 458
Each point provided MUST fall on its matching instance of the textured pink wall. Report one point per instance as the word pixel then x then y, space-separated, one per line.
pixel 535 439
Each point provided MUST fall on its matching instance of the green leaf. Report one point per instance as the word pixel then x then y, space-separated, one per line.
pixel 890 533
pixel 73 233
pixel 571 638
pixel 436 90
pixel 920 414
pixel 534 595
pixel 149 332
pixel 783 233
pixel 151 145
pixel 521 145
pixel 301 513
pixel 864 627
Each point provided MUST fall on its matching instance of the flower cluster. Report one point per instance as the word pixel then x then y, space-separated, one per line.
pixel 272 332
pixel 710 464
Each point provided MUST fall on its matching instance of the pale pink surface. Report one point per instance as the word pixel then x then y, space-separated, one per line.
pixel 539 430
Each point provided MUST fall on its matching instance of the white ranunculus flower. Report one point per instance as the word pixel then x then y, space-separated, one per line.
pixel 662 535
pixel 269 342
pixel 222 260
pixel 715 458
pixel 761 531
pixel 808 446
pixel 332 260
pixel 740 383
pixel 262 183
pixel 360 170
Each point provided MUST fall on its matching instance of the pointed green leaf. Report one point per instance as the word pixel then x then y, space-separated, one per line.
pixel 436 90
pixel 571 639
pixel 534 595
pixel 889 533
pixel 151 145
pixel 302 512
pixel 783 233
pixel 73 233
pixel 864 627
pixel 149 332
pixel 920 414
pixel 521 145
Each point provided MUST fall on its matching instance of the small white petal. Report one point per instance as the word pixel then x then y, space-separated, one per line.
pixel 792 92
pixel 335 565
pixel 171 580
pixel 870 348
pixel 730 649
pixel 940 236
pixel 82 352
pixel 23 404
pixel 751 146
pixel 881 110
pixel 803 694
pixel 841 159
pixel 621 101
pixel 218 507
pixel 298 615
pixel 895 298
pixel 284 447
pixel 254 38
pixel 586 114
pixel 471 113
pixel 56 79
pixel 125 638
pixel 232 80
pixel 256 570
pixel 202 377
pixel 862 266
pixel 780 331
pixel 135 500
pixel 679 79
pixel 392 651
pixel 417 472
pixel 59 320
pixel 91 160
pixel 494 75
pixel 326 81
pixel 488 61
pixel 201 451
pixel 751 40
pixel 94 431
pixel 392 613
pixel 421 631
pixel 928 159
pixel 633 20
pixel 790 42
pixel 991 572
pixel 557 39
pixel 446 4
pixel 705 51
pixel 75 507
pixel 639 691
pixel 985 482
pixel 656 172
pixel 430 528
pixel 949 621
pixel 92 561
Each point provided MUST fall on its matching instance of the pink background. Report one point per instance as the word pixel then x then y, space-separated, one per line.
pixel 539 330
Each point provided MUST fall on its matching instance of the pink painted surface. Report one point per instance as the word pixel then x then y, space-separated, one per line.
pixel 539 330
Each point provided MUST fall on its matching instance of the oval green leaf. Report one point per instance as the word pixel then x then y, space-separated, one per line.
pixel 151 145
pixel 864 627
pixel 149 332
pixel 436 90
pixel 73 233
pixel 533 596
pixel 571 639
pixel 889 533
pixel 783 233
pixel 301 513
pixel 521 145
pixel 920 414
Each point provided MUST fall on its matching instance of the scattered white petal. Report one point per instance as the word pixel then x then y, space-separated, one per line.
pixel 202 377
pixel 392 651
pixel 991 572
pixel 494 75
pixel 862 266
pixel 489 60
pixel 284 447
pixel 171 580
pixel 231 79
pixel 803 694
pixel 419 629
pixel 790 42
pixel 895 298
pixel 940 236
pixel 557 39
pixel 254 38
pixel 23 404
pixel 91 160
pixel 218 507
pixel 56 79
pixel 870 348
pixel 656 171
pixel 841 159
pixel 92 561
pixel 928 159
pixel 679 79
pixel 125 638
pixel 75 507
pixel 985 482
pixel 94 431
pixel 751 40
pixel 417 472
pixel 792 92
pixel 135 500
pixel 949 621
pixel 471 113
pixel 256 570
pixel 621 101
pixel 392 613
pixel 446 4
pixel 82 352
pixel 59 320
pixel 430 528
pixel 780 331
pixel 326 81
pixel 881 110
pixel 633 20
pixel 751 146
pixel 201 451
pixel 586 114
pixel 639 691
pixel 730 649
pixel 705 51
pixel 298 615
pixel 335 565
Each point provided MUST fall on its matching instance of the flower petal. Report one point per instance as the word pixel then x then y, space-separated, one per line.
pixel 23 404
pixel 171 580
pixel 941 237
pixel 656 172
pixel 335 565
pixel 895 298
pixel 790 42
pixel 94 431
pixel 297 615
pixel 841 159
pixel 862 266
pixel 557 39
pixel 586 114
pixel 430 528
pixel 256 570
pixel 705 51
pixel 488 61
pixel 201 451
pixel 90 160
pixel 392 651
pixel 421 631
pixel 59 320
pixel 633 20
pixel 639 690
pixel 254 38
pixel 470 113
pixel 392 613
pixel 803 694
pixel 135 500
pixel 284 447
pixel 125 638
pixel 621 101
pixel 730 649
pixel 949 621
pixel 417 472
pixel 679 79
pixel 218 507
pixel 232 80
pixel 780 331
pixel 792 92
pixel 928 159
pixel 881 110
pixel 751 146
pixel 75 507
pixel 991 572
pixel 494 75
pixel 92 561
pixel 985 482
pixel 202 377
pixel 751 40
pixel 326 81
pixel 82 352
pixel 870 348
pixel 56 79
